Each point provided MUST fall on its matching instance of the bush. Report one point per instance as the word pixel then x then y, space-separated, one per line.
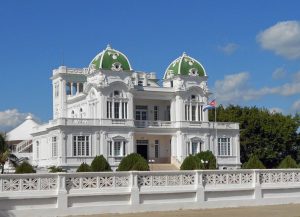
pixel 100 164
pixel 84 167
pixel 209 157
pixel 55 169
pixel 288 162
pixel 191 162
pixel 253 163
pixel 25 167
pixel 129 163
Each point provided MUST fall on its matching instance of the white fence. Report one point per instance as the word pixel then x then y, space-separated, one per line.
pixel 119 192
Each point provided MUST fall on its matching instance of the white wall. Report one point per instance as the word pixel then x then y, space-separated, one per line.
pixel 126 192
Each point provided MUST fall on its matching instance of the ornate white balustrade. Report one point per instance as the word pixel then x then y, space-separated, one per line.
pixel 95 193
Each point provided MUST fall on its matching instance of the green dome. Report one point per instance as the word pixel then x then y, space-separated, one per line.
pixel 111 59
pixel 185 65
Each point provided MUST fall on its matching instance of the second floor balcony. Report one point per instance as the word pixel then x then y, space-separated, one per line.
pixel 136 123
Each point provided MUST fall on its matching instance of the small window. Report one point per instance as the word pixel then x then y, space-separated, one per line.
pixel 193 97
pixel 140 83
pixel 171 83
pixel 116 93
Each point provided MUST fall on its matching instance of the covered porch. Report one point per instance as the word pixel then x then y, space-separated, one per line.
pixel 156 149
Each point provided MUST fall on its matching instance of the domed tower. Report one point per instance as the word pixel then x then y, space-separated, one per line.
pixel 183 67
pixel 110 59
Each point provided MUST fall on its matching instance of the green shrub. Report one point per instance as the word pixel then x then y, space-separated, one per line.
pixel 288 162
pixel 55 169
pixel 84 167
pixel 25 167
pixel 191 162
pixel 100 164
pixel 253 163
pixel 128 163
pixel 208 156
pixel 141 166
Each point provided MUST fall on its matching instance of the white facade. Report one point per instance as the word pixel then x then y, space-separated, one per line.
pixel 112 111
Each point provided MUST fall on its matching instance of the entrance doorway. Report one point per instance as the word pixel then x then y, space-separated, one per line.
pixel 142 148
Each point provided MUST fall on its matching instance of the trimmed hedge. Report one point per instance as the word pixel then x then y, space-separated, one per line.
pixel 100 164
pixel 288 162
pixel 55 169
pixel 84 167
pixel 24 167
pixel 253 163
pixel 209 157
pixel 191 162
pixel 133 161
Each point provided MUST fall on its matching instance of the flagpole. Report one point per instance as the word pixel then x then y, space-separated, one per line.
pixel 216 128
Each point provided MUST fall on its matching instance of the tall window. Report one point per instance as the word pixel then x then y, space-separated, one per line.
pixel 56 90
pixel 81 146
pixel 116 106
pixel 54 146
pixel 155 112
pixel 117 148
pixel 224 146
pixel 37 149
pixel 156 149
pixel 194 147
pixel 193 109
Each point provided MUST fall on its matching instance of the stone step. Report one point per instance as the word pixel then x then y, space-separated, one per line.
pixel 158 167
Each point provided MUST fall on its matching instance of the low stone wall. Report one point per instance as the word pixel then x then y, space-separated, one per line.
pixel 119 192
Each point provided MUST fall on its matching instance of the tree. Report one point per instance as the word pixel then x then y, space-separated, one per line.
pixel 270 136
pixel 84 167
pixel 100 164
pixel 129 162
pixel 208 159
pixel 6 155
pixel 253 163
pixel 24 167
pixel 288 162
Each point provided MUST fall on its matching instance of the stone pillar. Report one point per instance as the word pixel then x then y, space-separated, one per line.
pixel 135 194
pixel 62 198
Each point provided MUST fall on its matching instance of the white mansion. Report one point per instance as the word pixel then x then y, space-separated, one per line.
pixel 113 110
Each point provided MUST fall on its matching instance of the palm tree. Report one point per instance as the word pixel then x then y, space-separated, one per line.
pixel 5 154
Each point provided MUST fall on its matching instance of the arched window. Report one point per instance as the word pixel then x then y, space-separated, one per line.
pixel 117 105
pixel 80 113
pixel 193 108
pixel 72 114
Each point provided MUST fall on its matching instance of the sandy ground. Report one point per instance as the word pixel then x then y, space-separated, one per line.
pixel 291 210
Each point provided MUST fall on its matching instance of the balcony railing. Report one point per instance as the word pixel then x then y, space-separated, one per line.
pixel 136 123
pixel 146 123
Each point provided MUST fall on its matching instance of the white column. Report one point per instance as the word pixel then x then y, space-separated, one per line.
pixel 77 90
pixel 120 109
pixel 197 118
pixel 71 88
pixel 112 109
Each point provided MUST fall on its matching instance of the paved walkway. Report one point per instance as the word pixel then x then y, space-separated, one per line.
pixel 291 210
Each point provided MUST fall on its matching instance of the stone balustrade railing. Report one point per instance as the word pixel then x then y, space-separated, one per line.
pixel 118 192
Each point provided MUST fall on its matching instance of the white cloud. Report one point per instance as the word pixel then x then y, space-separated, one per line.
pixel 235 88
pixel 296 76
pixel 283 38
pixel 279 73
pixel 296 106
pixel 11 118
pixel 275 110
pixel 229 48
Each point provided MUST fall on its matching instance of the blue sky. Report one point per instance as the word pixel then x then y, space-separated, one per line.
pixel 250 49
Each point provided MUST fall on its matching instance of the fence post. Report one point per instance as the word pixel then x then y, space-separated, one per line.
pixel 199 186
pixel 62 199
pixel 257 185
pixel 135 193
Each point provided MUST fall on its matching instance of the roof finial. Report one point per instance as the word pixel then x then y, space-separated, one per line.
pixel 108 46
pixel 184 53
